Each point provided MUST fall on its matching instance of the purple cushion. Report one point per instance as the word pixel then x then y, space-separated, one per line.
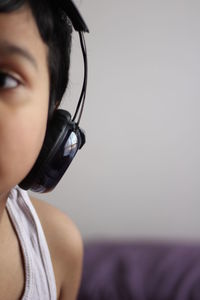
pixel 141 271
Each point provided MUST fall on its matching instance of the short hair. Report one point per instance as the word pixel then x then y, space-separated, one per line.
pixel 55 30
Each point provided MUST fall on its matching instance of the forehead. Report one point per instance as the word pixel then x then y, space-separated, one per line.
pixel 19 29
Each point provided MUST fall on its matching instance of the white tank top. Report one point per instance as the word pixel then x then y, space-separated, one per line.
pixel 40 281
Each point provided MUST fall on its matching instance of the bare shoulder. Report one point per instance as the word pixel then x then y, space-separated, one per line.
pixel 65 245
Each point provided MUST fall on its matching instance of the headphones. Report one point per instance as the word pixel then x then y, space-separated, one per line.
pixel 63 136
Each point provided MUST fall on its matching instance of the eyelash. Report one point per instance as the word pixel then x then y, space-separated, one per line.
pixel 7 75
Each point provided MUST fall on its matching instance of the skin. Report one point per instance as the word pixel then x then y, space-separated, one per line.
pixel 24 97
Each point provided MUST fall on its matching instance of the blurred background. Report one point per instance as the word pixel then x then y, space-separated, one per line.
pixel 138 176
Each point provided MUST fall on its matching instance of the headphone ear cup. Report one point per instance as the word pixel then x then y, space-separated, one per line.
pixel 42 177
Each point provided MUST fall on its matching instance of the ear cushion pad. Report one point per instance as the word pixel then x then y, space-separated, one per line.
pixel 59 128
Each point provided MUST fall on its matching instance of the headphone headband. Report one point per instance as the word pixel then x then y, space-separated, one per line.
pixel 74 15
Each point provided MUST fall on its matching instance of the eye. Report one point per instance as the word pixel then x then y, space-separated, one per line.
pixel 7 81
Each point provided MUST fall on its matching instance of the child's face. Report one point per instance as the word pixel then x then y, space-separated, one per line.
pixel 23 105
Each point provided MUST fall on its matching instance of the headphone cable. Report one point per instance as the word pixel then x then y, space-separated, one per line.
pixel 81 101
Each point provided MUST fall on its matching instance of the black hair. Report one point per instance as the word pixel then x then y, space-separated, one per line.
pixel 55 30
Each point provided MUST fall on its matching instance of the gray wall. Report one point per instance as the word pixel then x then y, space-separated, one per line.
pixel 139 174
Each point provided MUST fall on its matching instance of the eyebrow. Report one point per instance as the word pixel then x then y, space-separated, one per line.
pixel 8 48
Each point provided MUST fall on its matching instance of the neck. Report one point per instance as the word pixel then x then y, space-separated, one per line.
pixel 3 199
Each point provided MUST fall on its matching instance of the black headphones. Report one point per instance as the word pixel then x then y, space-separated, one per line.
pixel 63 136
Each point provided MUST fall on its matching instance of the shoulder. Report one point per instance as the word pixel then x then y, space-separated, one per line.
pixel 65 246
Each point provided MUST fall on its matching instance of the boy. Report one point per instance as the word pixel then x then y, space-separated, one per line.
pixel 34 63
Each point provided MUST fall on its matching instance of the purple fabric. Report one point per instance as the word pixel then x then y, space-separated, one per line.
pixel 141 271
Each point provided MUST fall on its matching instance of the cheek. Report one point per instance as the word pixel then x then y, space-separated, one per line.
pixel 23 120
pixel 20 143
